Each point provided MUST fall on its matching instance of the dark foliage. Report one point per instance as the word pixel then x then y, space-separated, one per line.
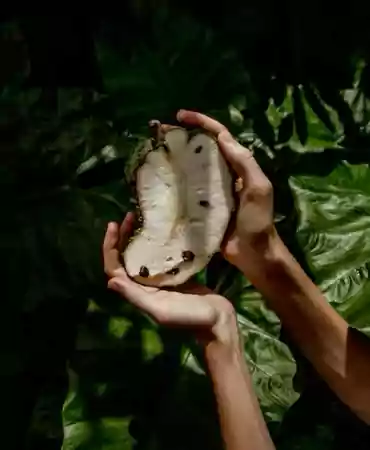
pixel 289 79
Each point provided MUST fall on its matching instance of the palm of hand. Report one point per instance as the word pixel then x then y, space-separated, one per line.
pixel 195 306
pixel 192 307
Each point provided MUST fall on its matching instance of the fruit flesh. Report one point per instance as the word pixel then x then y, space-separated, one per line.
pixel 185 196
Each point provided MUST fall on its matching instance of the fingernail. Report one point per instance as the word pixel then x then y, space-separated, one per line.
pixel 179 114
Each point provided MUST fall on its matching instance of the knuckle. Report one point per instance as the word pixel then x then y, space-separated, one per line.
pixel 265 187
pixel 268 185
pixel 227 308
pixel 261 188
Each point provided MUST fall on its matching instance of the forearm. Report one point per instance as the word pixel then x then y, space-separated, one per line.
pixel 242 424
pixel 340 355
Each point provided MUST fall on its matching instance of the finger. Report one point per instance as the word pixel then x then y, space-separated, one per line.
pixel 240 158
pixel 110 252
pixel 111 236
pixel 175 309
pixel 125 230
pixel 134 293
pixel 200 120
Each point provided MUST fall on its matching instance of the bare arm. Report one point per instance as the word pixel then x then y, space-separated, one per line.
pixel 213 320
pixel 241 420
pixel 339 354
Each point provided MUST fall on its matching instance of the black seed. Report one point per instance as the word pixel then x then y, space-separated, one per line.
pixel 144 272
pixel 173 271
pixel 169 258
pixel 198 149
pixel 204 203
pixel 187 255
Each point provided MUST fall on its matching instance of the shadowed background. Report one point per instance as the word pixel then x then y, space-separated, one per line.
pixel 79 367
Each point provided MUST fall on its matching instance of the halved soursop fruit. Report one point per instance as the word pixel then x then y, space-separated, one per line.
pixel 185 195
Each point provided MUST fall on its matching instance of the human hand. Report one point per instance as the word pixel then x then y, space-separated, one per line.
pixel 211 316
pixel 253 232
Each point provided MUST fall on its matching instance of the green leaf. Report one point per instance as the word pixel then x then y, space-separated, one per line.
pixel 334 231
pixel 318 107
pixel 357 97
pixel 263 128
pixel 133 385
pixel 335 99
pixel 299 116
pixel 286 129
pixel 318 135
pixel 279 90
pixel 103 434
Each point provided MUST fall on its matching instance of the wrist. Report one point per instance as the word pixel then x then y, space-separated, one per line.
pixel 258 251
pixel 273 270
pixel 219 356
pixel 226 345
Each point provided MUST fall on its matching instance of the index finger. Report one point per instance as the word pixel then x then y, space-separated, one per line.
pixel 110 252
pixel 200 120
pixel 125 230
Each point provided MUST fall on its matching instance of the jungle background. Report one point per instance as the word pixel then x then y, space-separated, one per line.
pixel 80 368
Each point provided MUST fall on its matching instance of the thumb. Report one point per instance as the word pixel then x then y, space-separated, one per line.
pixel 234 153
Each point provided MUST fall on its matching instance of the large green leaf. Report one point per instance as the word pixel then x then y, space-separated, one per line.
pixel 311 127
pixel 334 232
